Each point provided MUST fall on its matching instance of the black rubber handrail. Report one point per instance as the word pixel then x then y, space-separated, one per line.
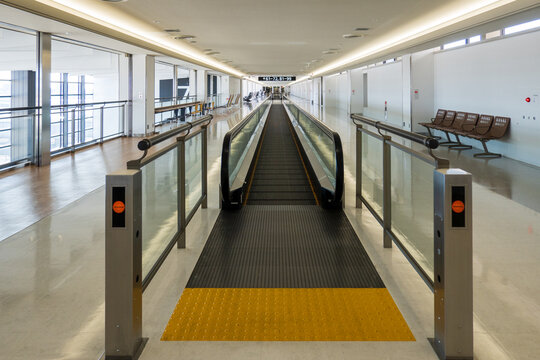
pixel 147 143
pixel 427 141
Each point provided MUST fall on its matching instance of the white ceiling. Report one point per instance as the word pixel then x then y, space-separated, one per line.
pixel 283 36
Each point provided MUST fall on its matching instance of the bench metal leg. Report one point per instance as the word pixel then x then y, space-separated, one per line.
pixel 431 134
pixel 486 154
pixel 449 142
pixel 459 145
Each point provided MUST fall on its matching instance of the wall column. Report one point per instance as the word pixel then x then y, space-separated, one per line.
pixel 143 94
pixel 42 145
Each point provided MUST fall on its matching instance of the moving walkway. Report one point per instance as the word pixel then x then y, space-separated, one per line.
pixel 282 256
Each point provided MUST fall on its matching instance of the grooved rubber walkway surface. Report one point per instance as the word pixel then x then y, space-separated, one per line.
pixel 280 177
pixel 284 246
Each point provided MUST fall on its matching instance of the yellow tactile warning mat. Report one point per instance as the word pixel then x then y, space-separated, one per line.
pixel 315 314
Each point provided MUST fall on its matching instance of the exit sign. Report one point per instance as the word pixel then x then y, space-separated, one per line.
pixel 277 78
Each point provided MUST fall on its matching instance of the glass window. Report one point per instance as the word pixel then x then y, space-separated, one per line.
pixel 17 69
pixel 164 83
pixel 493 34
pixel 454 44
pixel 522 27
pixel 79 81
pixel 475 39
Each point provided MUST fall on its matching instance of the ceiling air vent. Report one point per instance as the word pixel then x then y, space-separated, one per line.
pixel 351 36
pixel 184 37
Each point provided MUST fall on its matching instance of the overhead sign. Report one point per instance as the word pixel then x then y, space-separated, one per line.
pixel 277 78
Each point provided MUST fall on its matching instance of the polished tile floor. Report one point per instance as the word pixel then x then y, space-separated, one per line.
pixel 52 268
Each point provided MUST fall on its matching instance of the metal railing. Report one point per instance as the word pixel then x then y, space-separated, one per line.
pixel 171 109
pixel 374 165
pixel 425 207
pixel 148 208
pixel 72 126
pixel 175 169
pixel 323 147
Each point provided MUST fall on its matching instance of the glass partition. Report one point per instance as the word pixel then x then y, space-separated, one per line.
pixel 412 206
pixel 372 172
pixel 241 142
pixel 159 206
pixel 193 155
pixel 320 142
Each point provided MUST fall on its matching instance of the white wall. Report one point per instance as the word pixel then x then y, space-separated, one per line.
pixel 385 83
pixel 357 91
pixel 422 88
pixel 336 91
pixel 494 78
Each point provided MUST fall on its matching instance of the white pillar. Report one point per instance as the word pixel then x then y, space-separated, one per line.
pixel 201 85
pixel 192 82
pixel 143 94
pixel 407 106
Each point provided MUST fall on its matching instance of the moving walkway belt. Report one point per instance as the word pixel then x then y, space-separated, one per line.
pixel 280 176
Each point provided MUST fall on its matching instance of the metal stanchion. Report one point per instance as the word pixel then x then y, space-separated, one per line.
pixel 358 166
pixel 181 243
pixel 387 193
pixel 453 264
pixel 123 265
pixel 204 155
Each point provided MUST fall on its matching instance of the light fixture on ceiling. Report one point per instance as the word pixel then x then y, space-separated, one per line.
pixel 184 37
pixel 361 29
pixel 172 30
pixel 351 36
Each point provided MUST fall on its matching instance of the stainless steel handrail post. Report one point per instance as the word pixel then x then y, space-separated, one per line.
pixel 73 130
pixel 387 192
pixel 358 166
pixel 123 265
pixel 101 122
pixel 181 182
pixel 204 145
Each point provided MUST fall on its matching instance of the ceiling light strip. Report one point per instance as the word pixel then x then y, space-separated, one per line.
pixel 95 15
pixel 464 13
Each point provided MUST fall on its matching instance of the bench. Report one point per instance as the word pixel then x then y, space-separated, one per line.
pixel 479 127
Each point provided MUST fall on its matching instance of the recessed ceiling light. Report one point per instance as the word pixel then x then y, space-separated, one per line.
pixel 172 30
pixel 361 29
pixel 184 37
pixel 351 36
